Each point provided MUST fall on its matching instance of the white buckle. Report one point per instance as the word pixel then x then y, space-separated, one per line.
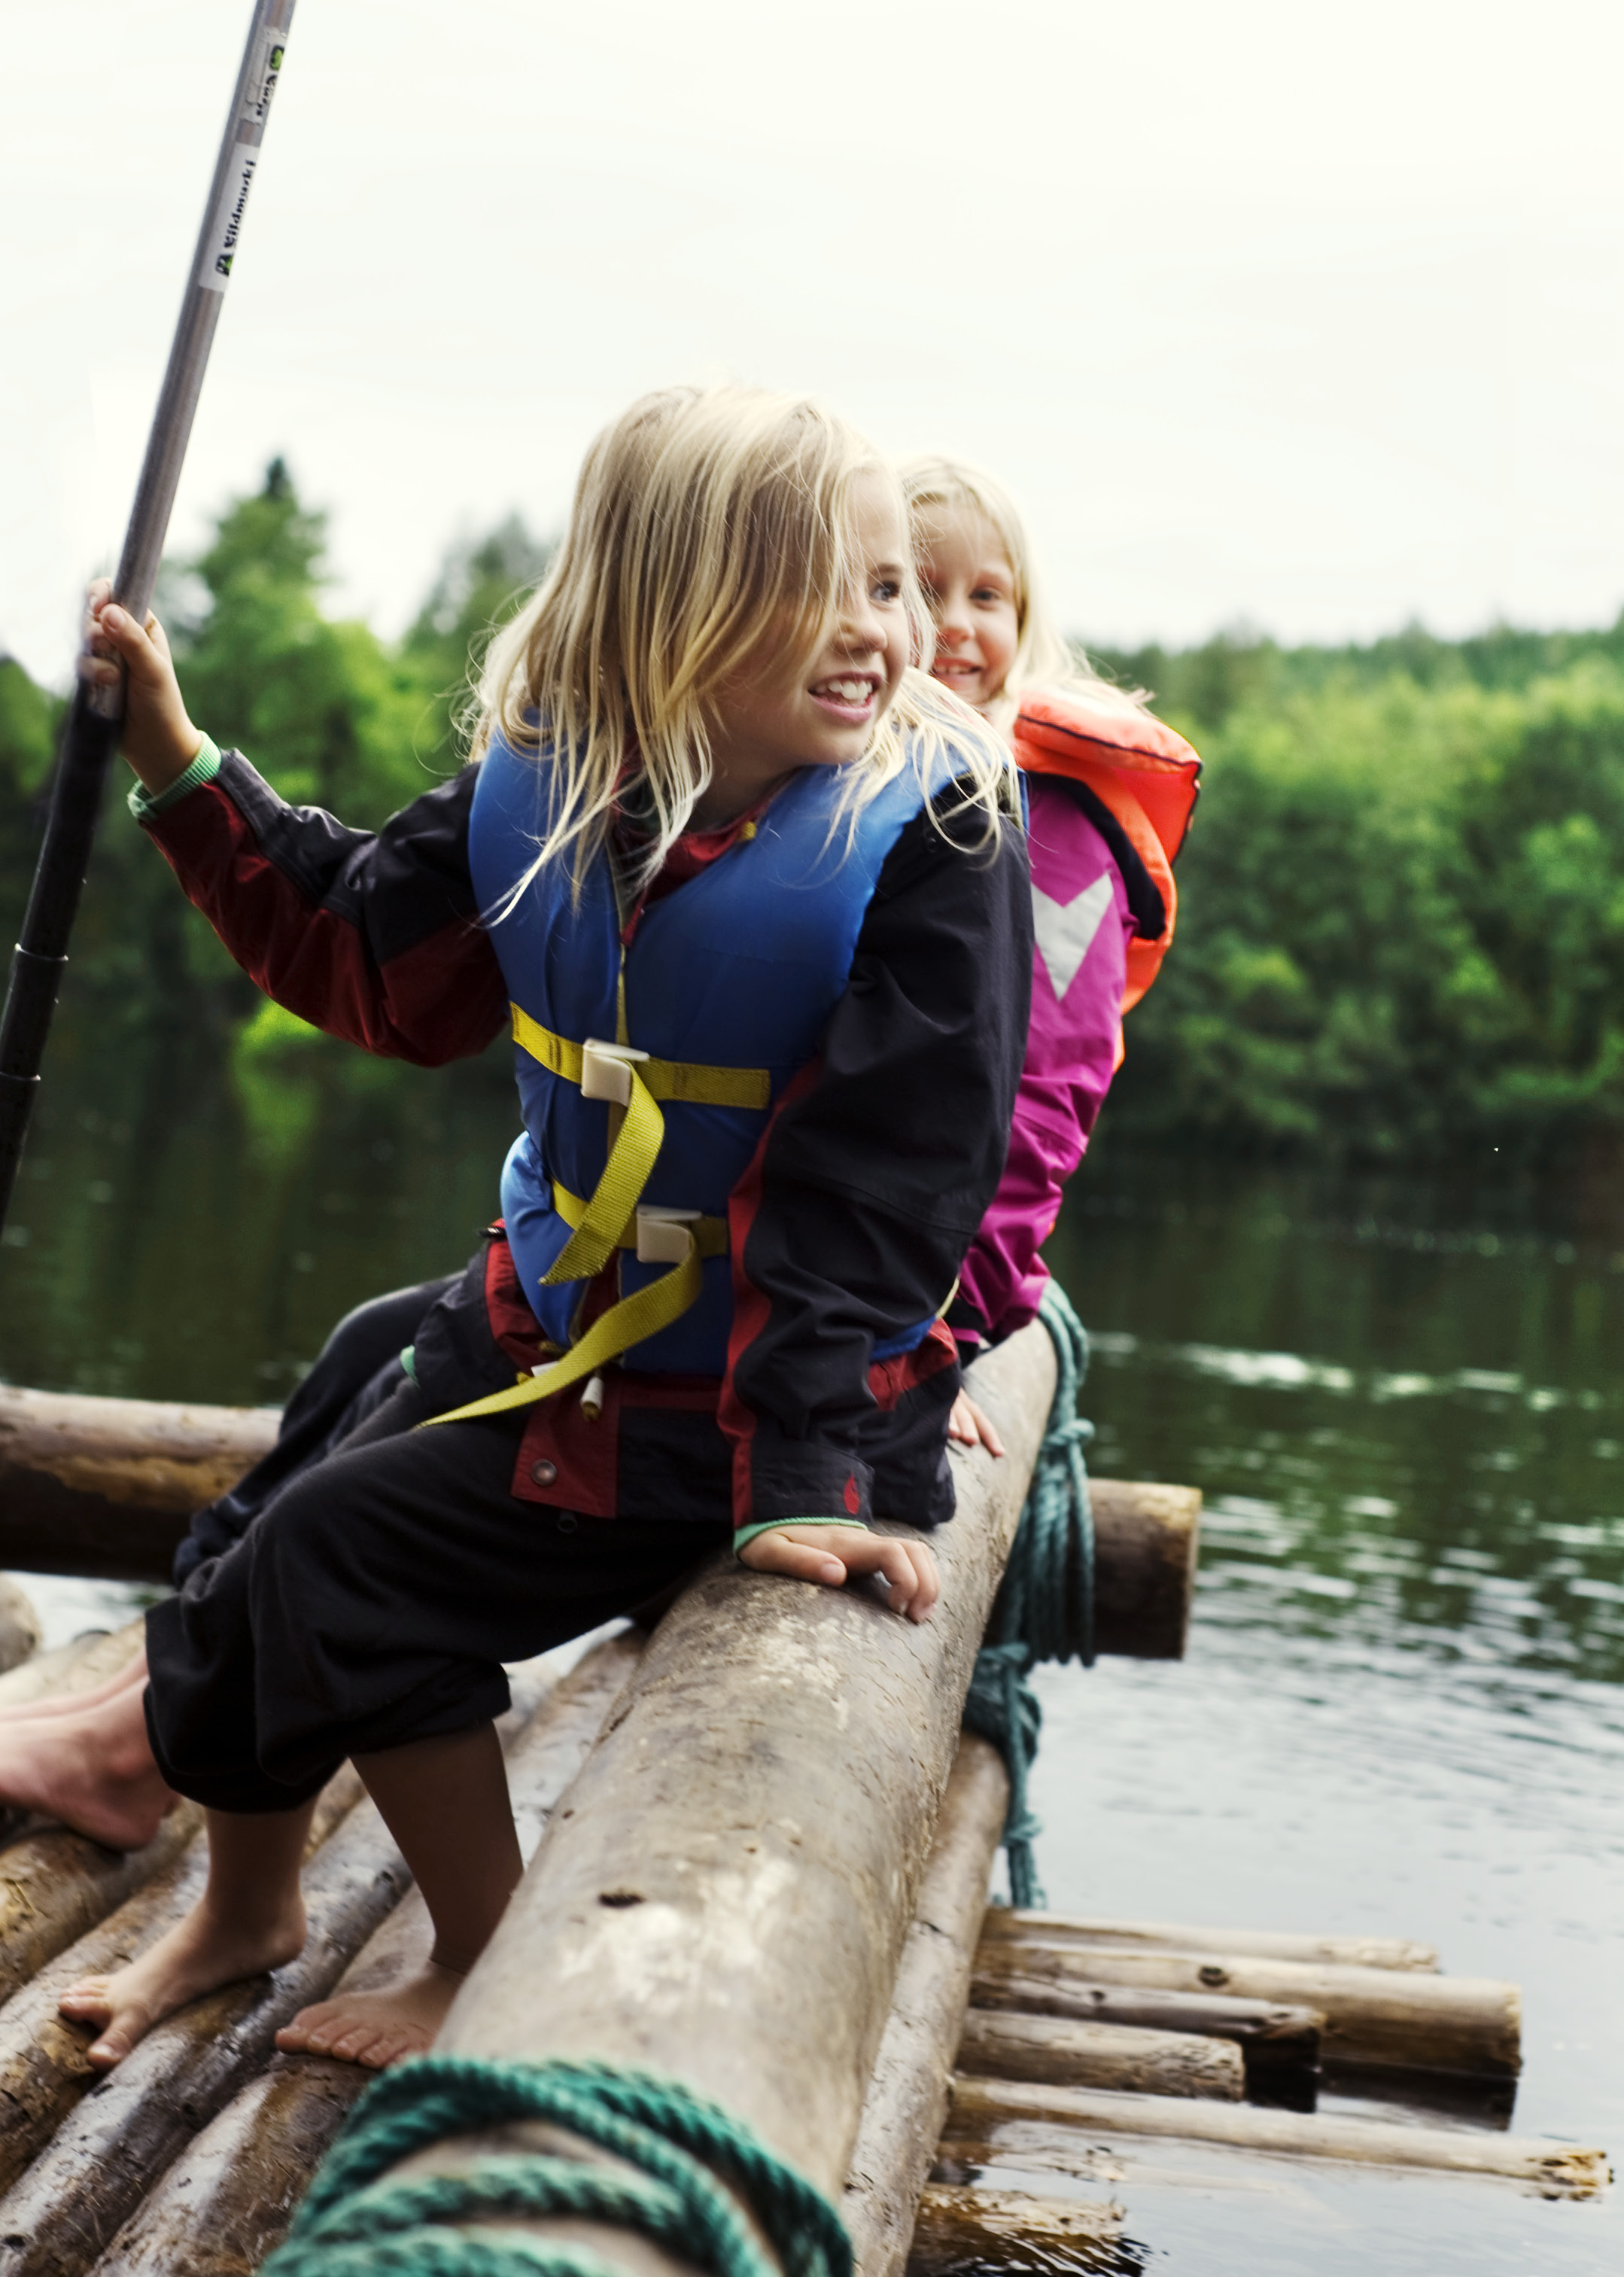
pixel 663 1235
pixel 606 1070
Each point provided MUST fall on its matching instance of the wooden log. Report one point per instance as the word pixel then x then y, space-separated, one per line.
pixel 19 1624
pixel 1130 2057
pixel 906 2102
pixel 104 1487
pixel 228 2198
pixel 1146 1542
pixel 43 2074
pixel 1279 2044
pixel 76 1667
pixel 974 2229
pixel 1387 2016
pixel 106 2148
pixel 724 1894
pixel 993 2120
pixel 1011 1924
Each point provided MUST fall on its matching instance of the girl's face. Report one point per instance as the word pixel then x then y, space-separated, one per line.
pixel 970 586
pixel 782 714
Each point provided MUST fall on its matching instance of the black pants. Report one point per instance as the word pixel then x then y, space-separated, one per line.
pixel 372 1602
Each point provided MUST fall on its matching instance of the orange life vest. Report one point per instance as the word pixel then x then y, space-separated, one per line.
pixel 1141 769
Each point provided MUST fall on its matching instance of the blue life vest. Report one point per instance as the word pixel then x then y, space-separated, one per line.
pixel 739 968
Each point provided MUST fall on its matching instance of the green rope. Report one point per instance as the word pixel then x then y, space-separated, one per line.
pixel 359 2220
pixel 1044 1608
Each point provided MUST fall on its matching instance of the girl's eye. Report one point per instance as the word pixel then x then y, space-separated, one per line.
pixel 886 589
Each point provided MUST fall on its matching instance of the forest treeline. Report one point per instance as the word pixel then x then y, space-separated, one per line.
pixel 1401 928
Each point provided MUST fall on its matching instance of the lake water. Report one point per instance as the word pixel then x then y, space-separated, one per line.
pixel 1402 1711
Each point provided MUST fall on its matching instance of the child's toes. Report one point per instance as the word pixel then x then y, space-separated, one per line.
pixel 86 2002
pixel 312 2031
pixel 394 2047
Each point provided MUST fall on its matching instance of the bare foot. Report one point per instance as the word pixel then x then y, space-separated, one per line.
pixel 376 2028
pixel 198 1955
pixel 92 1770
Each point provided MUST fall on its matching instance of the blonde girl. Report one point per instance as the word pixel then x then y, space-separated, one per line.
pixel 751 894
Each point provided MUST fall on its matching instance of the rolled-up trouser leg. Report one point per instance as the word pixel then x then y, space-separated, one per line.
pixel 374 1602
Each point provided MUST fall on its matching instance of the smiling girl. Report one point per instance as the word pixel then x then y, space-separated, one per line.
pixel 747 889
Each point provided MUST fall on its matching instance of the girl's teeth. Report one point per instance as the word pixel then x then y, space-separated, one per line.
pixel 846 692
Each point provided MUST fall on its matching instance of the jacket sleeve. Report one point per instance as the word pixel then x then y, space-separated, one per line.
pixel 874 1172
pixel 372 936
pixel 1084 923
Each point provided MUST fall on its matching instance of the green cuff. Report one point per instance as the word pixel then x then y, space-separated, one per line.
pixel 145 804
pixel 743 1536
pixel 408 1360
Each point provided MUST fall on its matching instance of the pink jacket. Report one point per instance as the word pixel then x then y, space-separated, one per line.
pixel 1079 970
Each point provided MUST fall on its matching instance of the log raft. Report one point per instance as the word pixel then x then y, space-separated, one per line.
pixel 765 1873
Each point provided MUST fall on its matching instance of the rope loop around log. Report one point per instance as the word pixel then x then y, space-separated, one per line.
pixel 1044 1609
pixel 359 2221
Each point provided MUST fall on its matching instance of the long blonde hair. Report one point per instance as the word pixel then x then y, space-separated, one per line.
pixel 706 523
pixel 1042 657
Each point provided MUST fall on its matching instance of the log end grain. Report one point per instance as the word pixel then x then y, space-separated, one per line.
pixel 977 2229
pixel 19 1624
pixel 1147 1539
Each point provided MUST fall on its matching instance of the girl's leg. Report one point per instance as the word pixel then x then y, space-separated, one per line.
pixel 445 1803
pixel 91 1767
pixel 249 1918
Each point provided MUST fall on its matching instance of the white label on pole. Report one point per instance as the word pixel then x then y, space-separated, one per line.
pixel 263 72
pixel 220 246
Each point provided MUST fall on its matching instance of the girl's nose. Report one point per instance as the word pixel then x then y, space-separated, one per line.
pixel 950 634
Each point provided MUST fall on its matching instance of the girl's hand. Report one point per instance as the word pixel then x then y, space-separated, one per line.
pixel 971 1427
pixel 159 741
pixel 830 1553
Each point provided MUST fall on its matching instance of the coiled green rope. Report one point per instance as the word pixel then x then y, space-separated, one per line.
pixel 357 2221
pixel 1044 1608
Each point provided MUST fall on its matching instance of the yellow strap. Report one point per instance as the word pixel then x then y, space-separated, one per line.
pixel 603 1220
pixel 709 1233
pixel 684 1080
pixel 628 1323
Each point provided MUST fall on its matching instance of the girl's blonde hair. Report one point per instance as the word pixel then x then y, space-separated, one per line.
pixel 707 526
pixel 1042 657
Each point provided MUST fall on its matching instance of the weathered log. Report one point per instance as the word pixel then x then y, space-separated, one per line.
pixel 906 2101
pixel 76 1667
pixel 1010 1925
pixel 106 1487
pixel 43 2073
pixel 1063 2128
pixel 724 1894
pixel 1138 2060
pixel 972 2229
pixel 1280 2044
pixel 107 2146
pixel 1388 2016
pixel 227 2200
pixel 19 1624
pixel 1147 1539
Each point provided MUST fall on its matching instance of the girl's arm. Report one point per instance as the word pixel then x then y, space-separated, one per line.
pixel 874 1173
pixel 372 936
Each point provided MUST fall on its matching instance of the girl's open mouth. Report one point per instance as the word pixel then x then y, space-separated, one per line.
pixel 850 699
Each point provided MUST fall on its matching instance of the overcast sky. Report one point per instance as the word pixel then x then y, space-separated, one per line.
pixel 1304 316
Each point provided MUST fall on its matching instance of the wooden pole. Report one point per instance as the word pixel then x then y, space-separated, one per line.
pixel 906 2103
pixel 1280 2044
pixel 1005 1924
pixel 974 2229
pixel 724 1895
pixel 1387 2016
pixel 1130 2057
pixel 1065 2127
pixel 107 1486
pixel 228 2198
pixel 19 1624
pixel 76 1667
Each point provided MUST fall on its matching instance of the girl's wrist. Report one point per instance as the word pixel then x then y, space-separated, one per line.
pixel 148 797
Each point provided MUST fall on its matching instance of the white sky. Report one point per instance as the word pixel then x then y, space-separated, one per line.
pixel 1309 316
